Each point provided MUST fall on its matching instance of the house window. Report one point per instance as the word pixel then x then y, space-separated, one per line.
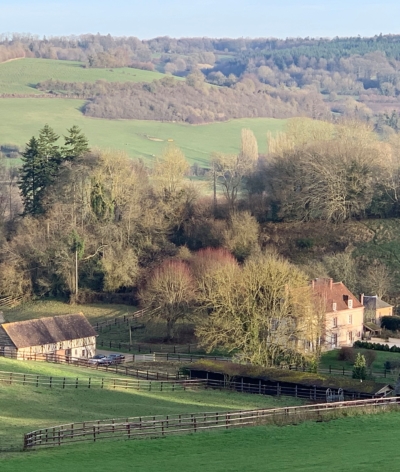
pixel 83 353
pixel 334 306
pixel 334 340
pixel 350 303
pixel 350 319
pixel 334 320
pixel 351 336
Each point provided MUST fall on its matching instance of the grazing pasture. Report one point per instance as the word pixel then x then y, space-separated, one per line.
pixel 21 76
pixel 364 443
pixel 26 408
pixel 23 117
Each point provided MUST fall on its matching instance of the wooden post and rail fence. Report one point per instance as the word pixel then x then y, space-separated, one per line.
pixel 42 381
pixel 160 426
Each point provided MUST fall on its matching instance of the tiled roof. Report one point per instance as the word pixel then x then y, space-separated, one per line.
pixel 374 303
pixel 334 292
pixel 48 330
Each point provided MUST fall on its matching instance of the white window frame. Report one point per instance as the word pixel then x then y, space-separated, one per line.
pixel 334 322
pixel 350 303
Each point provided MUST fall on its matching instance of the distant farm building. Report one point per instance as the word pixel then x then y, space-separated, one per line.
pixel 66 335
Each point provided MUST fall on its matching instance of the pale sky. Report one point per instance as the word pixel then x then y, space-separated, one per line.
pixel 212 18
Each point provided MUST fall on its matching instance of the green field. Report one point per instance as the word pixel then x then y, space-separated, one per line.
pixel 20 76
pixel 26 408
pixel 43 308
pixel 22 117
pixel 364 444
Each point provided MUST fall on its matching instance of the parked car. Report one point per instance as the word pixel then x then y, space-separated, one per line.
pixel 116 358
pixel 96 359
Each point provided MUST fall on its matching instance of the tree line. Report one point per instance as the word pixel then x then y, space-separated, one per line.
pixel 191 101
pixel 87 220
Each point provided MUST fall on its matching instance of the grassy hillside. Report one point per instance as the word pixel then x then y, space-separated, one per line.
pixel 361 444
pixel 22 118
pixel 22 75
pixel 44 308
pixel 25 408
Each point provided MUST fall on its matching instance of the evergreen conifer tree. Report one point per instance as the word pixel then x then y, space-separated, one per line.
pixel 32 180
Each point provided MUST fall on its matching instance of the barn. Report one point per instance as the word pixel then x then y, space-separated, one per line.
pixel 66 335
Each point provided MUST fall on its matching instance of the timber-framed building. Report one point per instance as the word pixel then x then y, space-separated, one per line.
pixel 67 335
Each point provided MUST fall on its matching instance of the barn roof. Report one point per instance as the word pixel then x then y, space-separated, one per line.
pixel 48 330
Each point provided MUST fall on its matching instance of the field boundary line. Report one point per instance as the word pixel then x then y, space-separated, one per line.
pixel 160 426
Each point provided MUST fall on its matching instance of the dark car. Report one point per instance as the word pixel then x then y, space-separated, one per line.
pixel 116 358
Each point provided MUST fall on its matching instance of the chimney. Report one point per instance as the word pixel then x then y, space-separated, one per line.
pixel 362 298
pixel 330 284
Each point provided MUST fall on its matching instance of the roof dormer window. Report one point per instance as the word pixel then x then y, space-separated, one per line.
pixel 350 303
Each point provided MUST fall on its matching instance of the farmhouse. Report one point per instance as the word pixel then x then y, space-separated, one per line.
pixel 67 335
pixel 344 313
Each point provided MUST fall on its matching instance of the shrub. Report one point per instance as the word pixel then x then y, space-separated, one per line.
pixel 391 323
pixel 392 365
pixel 304 243
pixel 359 369
pixel 370 357
pixel 376 346
pixel 347 354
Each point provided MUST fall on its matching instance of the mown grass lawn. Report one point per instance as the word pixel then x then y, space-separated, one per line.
pixel 21 76
pixel 26 408
pixel 22 118
pixel 364 444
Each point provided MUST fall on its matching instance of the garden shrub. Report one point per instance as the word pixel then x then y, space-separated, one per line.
pixel 359 369
pixel 391 323
pixel 369 356
pixel 347 354
pixel 376 346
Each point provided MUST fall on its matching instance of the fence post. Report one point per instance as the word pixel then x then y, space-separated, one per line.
pixel 94 433
pixel 76 383
pixel 102 382
pixel 295 391
pixel 51 381
pixel 89 382
pixel 259 387
pixel 330 369
pixel 63 383
pixel 343 370
pixel 37 381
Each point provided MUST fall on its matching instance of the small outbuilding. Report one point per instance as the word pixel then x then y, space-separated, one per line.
pixel 67 335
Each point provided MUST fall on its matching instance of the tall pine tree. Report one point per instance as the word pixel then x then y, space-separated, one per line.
pixel 76 144
pixel 42 161
pixel 32 179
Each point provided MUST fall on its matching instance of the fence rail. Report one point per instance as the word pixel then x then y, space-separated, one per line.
pixel 34 380
pixel 147 348
pixel 124 319
pixel 7 302
pixel 159 426
pixel 118 369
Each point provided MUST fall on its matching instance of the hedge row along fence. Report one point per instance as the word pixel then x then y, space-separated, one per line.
pixel 376 346
pixel 33 380
pixel 160 426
